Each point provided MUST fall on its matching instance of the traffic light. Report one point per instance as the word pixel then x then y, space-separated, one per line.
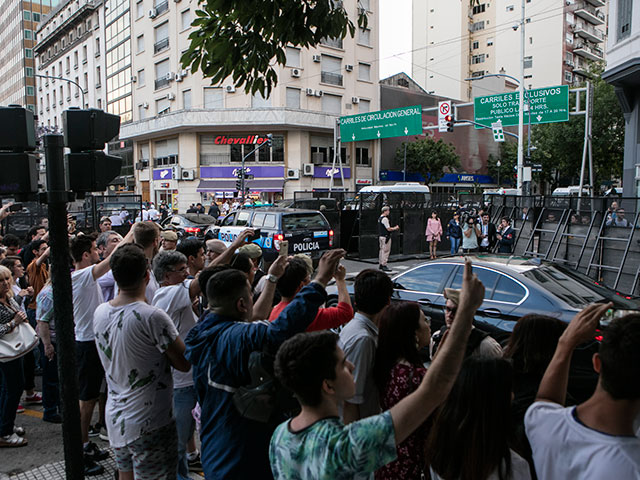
pixel 17 138
pixel 85 134
pixel 269 139
pixel 449 120
pixel 239 184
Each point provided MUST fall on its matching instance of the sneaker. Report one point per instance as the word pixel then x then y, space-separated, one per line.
pixel 20 409
pixel 94 453
pixel 94 430
pixel 103 435
pixel 91 468
pixel 55 418
pixel 35 399
pixel 195 464
pixel 384 268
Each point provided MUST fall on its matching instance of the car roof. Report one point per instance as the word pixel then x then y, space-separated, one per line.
pixel 507 262
pixel 279 210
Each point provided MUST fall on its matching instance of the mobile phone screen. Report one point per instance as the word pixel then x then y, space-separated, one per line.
pixel 284 248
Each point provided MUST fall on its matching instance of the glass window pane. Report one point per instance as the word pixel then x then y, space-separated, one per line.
pixel 213 97
pixel 364 72
pixel 487 277
pixel 293 97
pixel 508 290
pixel 428 278
pixel 332 104
pixel 243 219
pixel 293 57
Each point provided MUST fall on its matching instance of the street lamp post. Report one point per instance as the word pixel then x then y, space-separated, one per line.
pixel 521 103
pixel 498 164
pixel 65 80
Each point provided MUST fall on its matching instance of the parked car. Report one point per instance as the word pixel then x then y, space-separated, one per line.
pixel 514 287
pixel 188 224
pixel 307 231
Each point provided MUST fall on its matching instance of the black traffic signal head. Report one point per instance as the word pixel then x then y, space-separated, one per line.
pixel 269 139
pixel 92 171
pixel 88 129
pixel 449 120
pixel 18 132
pixel 239 185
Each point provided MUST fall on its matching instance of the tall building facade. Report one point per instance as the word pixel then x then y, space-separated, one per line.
pixel 453 41
pixel 18 22
pixel 190 137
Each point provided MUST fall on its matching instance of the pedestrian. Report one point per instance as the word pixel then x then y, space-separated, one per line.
pixel 35 233
pixel 105 224
pixel 20 287
pixel 433 233
pixel 199 208
pixel 116 218
pixel 214 210
pixel 618 220
pixel 124 215
pixel 487 233
pixel 470 235
pixel 169 240
pixel 11 377
pixel 154 214
pixel 384 237
pixel 215 248
pixel 597 438
pixel 470 433
pixel 193 249
pixel 398 371
pixel 137 343
pixel 106 243
pixel 505 236
pixel 315 443
pixel 12 244
pixel 254 252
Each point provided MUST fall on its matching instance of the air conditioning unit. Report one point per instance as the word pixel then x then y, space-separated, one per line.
pixel 348 68
pixel 176 170
pixel 178 77
pixel 317 158
pixel 293 174
pixel 309 92
pixel 177 1
pixel 145 105
pixel 153 13
pixel 569 62
pixel 230 89
pixel 295 73
pixel 169 76
pixel 308 169
pixel 139 166
pixel 171 96
pixel 317 58
pixel 318 93
pixel 134 78
pixel 355 99
pixel 188 174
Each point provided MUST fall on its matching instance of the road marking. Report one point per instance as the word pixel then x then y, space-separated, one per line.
pixel 32 413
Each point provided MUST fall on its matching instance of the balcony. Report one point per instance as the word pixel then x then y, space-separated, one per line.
pixel 589 13
pixel 331 78
pixel 161 45
pixel 591 53
pixel 597 3
pixel 162 7
pixel 581 68
pixel 587 32
pixel 161 82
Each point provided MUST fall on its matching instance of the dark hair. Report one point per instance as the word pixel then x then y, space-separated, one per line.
pixel 207 273
pixel 189 246
pixel 10 262
pixel 241 261
pixel 533 342
pixel 620 357
pixel 433 211
pixel 373 290
pixel 506 219
pixel 80 245
pixel 36 244
pixel 305 361
pixel 396 340
pixel 129 265
pixel 145 233
pixel 34 230
pixel 471 219
pixel 226 287
pixel 469 437
pixel 294 273
pixel 10 240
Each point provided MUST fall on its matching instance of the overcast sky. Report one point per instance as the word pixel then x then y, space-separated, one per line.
pixel 395 37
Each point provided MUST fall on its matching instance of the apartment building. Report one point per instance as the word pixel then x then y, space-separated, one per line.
pixel 189 137
pixel 18 21
pixel 561 39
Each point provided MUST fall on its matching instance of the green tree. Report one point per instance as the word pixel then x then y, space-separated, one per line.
pixel 428 157
pixel 508 158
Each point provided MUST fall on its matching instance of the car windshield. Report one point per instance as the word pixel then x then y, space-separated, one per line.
pixel 199 218
pixel 295 221
pixel 575 288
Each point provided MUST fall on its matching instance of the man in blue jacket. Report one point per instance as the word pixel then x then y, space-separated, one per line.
pixel 506 236
pixel 218 347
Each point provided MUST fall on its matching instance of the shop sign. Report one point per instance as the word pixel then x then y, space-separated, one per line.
pixel 163 173
pixel 258 171
pixel 328 172
pixel 364 181
pixel 246 140
pixel 164 185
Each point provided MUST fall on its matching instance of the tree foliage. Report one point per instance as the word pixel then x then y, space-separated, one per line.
pixel 428 157
pixel 244 40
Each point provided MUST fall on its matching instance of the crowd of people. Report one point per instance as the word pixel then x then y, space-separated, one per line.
pixel 175 337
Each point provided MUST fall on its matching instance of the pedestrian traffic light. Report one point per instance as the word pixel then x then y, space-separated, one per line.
pixel 449 120
pixel 85 133
pixel 17 137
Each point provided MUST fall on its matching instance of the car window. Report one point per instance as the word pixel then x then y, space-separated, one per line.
pixel 175 221
pixel 258 220
pixel 243 219
pixel 269 221
pixel 296 221
pixel 486 276
pixel 428 278
pixel 229 219
pixel 508 290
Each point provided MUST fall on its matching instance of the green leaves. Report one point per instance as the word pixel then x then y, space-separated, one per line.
pixel 245 40
pixel 428 157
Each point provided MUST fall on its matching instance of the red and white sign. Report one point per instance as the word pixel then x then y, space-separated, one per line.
pixel 444 110
pixel 364 181
pixel 247 140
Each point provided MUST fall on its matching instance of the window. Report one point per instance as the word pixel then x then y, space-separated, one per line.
pixel 429 278
pixel 478 73
pixel 332 42
pixel 624 19
pixel 293 57
pixel 36 17
pixel 27 15
pixel 487 277
pixel 97 47
pixel 299 221
pixel 163 106
pixel 508 290
pixel 293 97
pixel 75 59
pixel 68 63
pixel 569 38
pixel 185 18
pixel 475 26
pixel 213 97
pixel 29 71
pixel 28 35
pixel 568 77
pixel 364 36
pixel 162 37
pixel 98 76
pixel 186 99
pixel 141 79
pixel 528 62
pixel 140 44
pixel 527 20
pixel 28 53
pixel 142 112
pixel 140 9
pixel 84 54
pixel 364 72
pixel 365 4
pixel 479 9
pixel 362 157
pixel 30 91
pixel 243 218
pixel 332 104
pixel 475 45
pixel 331 70
pixel 100 103
pixel 258 101
pixel 477 59
pixel 364 106
pixel 489 42
pixel 162 70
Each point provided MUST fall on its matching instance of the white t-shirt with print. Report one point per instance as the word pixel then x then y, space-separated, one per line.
pixel 176 302
pixel 132 341
pixel 87 296
pixel 565 448
pixel 519 470
pixel 149 293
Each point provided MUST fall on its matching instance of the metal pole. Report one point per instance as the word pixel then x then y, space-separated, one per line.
pixel 57 197
pixel 242 178
pixel 521 102
pixel 585 145
pixel 65 80
pixel 404 171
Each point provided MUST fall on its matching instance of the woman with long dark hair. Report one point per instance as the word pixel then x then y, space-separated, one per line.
pixel 433 233
pixel 469 439
pixel 398 370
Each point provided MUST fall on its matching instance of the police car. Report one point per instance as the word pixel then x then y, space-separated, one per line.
pixel 307 231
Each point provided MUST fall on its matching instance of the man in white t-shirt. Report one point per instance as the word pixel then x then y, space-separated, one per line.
pixel 596 439
pixel 106 243
pixel 145 343
pixel 154 214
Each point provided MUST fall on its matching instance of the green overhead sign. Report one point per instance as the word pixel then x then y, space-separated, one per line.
pixel 398 122
pixel 550 104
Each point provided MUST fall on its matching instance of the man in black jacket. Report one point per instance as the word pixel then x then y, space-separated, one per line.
pixel 488 238
pixel 506 236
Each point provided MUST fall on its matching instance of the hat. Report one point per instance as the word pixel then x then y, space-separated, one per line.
pixel 170 236
pixel 452 294
pixel 216 245
pixel 307 261
pixel 252 250
pixel 105 219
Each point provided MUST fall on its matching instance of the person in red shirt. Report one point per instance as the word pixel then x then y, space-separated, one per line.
pixel 295 277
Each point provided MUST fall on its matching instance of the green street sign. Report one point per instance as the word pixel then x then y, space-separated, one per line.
pixel 397 122
pixel 550 104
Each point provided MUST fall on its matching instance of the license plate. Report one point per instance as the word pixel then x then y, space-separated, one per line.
pixel 320 234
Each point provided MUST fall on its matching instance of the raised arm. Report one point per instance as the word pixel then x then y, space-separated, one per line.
pixel 262 308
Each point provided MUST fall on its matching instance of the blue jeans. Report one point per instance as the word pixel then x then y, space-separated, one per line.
pixel 11 386
pixel 455 244
pixel 184 400
pixel 50 384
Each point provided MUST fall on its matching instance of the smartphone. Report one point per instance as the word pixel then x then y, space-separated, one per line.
pixel 255 236
pixel 16 207
pixel 284 248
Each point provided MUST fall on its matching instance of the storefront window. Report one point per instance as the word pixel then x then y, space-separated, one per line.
pixel 223 149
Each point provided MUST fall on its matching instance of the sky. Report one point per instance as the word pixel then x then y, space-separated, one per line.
pixel 395 37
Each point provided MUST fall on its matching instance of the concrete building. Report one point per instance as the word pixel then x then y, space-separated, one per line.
pixel 18 22
pixel 623 72
pixel 453 41
pixel 189 136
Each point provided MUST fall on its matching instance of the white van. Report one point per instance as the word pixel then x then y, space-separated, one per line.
pixel 487 194
pixel 570 191
pixel 370 194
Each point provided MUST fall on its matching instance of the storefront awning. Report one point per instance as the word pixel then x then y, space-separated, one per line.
pixel 257 184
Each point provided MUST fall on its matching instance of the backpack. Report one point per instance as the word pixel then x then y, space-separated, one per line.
pixel 265 399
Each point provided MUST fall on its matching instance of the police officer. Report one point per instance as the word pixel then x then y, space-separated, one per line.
pixel 384 237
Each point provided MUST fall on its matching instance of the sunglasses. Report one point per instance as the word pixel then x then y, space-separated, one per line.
pixel 450 310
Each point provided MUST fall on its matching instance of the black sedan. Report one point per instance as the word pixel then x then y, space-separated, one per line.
pixel 514 287
pixel 188 224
